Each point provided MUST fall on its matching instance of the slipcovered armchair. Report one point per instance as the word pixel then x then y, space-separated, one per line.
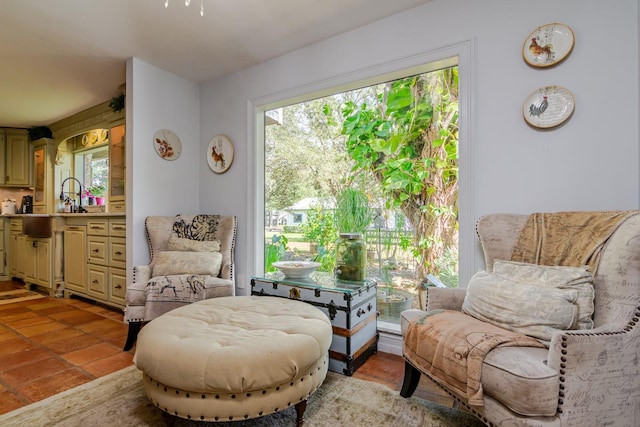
pixel 192 259
pixel 547 334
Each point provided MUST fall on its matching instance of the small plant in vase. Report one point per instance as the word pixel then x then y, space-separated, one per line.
pixel 97 191
pixel 353 216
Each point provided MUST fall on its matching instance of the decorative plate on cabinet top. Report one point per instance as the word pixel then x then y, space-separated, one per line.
pixel 220 153
pixel 548 106
pixel 548 45
pixel 167 144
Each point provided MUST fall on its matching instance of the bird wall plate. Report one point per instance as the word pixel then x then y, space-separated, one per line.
pixel 167 144
pixel 548 45
pixel 548 106
pixel 220 153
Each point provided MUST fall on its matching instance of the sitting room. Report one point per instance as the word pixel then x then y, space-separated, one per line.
pixel 544 214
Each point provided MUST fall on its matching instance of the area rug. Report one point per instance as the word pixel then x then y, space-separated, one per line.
pixel 119 399
pixel 9 297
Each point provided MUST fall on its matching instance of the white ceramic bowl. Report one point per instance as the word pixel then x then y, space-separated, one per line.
pixel 296 269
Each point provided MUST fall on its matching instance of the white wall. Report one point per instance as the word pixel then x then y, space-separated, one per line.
pixel 157 100
pixel 591 162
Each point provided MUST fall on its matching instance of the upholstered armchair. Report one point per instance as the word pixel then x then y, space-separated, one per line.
pixel 192 258
pixel 547 334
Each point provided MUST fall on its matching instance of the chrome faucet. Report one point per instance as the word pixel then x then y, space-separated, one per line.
pixel 62 193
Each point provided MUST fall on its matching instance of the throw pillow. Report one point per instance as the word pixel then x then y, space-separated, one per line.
pixel 182 244
pixel 533 310
pixel 177 262
pixel 562 277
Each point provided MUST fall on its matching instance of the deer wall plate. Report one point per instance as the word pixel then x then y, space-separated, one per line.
pixel 167 144
pixel 548 45
pixel 220 153
pixel 548 106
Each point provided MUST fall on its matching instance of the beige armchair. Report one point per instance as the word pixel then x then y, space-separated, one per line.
pixel 586 374
pixel 192 259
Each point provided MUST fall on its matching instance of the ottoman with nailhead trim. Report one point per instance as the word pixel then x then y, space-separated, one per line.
pixel 234 358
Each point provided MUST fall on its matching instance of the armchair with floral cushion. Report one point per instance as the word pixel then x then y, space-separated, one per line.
pixel 192 258
pixel 547 334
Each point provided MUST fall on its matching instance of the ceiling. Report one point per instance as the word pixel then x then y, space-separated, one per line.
pixel 61 57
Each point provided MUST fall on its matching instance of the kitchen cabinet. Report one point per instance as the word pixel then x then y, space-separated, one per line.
pixel 117 169
pixel 101 245
pixel 17 159
pixel 16 248
pixel 43 179
pixel 3 150
pixel 75 262
pixel 38 262
pixel 3 258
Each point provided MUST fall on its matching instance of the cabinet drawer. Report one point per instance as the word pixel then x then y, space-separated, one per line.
pixel 39 209
pixel 117 252
pixel 97 227
pixel 15 225
pixel 118 285
pixel 98 281
pixel 117 207
pixel 97 250
pixel 117 228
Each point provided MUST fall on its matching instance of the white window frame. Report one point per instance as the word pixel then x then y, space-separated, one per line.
pixel 461 54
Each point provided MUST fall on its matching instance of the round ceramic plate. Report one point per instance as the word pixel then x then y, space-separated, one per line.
pixel 548 106
pixel 167 144
pixel 220 153
pixel 548 45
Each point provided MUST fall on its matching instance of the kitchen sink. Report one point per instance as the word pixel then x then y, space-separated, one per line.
pixel 36 226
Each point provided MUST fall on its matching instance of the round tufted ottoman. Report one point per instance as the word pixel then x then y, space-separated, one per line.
pixel 234 358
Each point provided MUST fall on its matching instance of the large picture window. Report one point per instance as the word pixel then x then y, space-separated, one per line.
pixel 396 144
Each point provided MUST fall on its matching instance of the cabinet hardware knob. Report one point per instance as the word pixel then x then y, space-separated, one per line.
pixel 95 250
pixel 94 281
pixel 118 287
pixel 118 253
pixel 360 312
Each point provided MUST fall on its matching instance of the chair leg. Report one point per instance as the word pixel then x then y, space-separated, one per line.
pixel 132 335
pixel 300 408
pixel 411 380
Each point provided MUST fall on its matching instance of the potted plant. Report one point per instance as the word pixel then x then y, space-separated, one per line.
pixel 97 191
pixel 353 216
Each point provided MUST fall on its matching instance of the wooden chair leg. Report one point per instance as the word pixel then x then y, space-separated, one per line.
pixel 411 380
pixel 132 335
pixel 300 408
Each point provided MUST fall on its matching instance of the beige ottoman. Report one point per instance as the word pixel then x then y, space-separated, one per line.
pixel 234 358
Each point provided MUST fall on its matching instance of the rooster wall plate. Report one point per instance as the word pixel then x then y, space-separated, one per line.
pixel 220 153
pixel 548 106
pixel 548 45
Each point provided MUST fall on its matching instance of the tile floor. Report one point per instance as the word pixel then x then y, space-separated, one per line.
pixel 50 345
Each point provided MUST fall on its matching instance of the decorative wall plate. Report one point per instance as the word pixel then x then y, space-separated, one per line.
pixel 167 144
pixel 220 153
pixel 548 106
pixel 548 45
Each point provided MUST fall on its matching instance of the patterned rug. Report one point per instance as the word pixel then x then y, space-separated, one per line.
pixel 119 399
pixel 9 297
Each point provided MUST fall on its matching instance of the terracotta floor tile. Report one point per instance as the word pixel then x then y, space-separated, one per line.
pixel 60 335
pixel 110 364
pixel 17 316
pixel 6 335
pixel 73 343
pixel 53 384
pixel 103 326
pixel 91 354
pixel 20 358
pixel 76 317
pixel 57 308
pixel 9 401
pixel 14 345
pixel 34 371
pixel 29 321
pixel 42 328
